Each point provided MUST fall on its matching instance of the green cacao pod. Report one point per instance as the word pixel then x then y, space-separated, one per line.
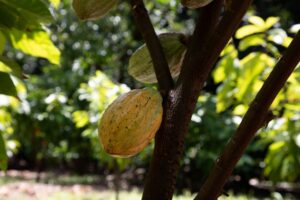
pixel 195 3
pixel 140 63
pixel 130 122
pixel 92 9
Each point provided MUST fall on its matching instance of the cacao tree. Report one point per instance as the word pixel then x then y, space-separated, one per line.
pixel 215 26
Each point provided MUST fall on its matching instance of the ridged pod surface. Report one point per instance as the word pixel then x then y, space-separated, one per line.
pixel 92 9
pixel 195 3
pixel 130 122
pixel 140 63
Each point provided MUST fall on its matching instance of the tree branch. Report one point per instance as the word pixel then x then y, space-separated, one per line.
pixel 251 123
pixel 199 61
pixel 144 25
pixel 161 178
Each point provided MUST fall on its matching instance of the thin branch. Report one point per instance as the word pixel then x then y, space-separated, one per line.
pixel 251 123
pixel 144 25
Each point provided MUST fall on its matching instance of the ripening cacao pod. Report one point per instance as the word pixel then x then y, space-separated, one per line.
pixel 130 122
pixel 195 3
pixel 93 9
pixel 140 63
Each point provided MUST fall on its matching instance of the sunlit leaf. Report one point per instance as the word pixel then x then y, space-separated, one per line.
pixel 240 109
pixel 36 44
pixel 55 3
pixel 253 40
pixel 287 41
pixel 7 86
pixel 252 66
pixel 271 21
pixel 228 49
pixel 81 118
pixel 277 100
pixel 248 30
pixel 255 20
pixel 295 28
pixel 277 36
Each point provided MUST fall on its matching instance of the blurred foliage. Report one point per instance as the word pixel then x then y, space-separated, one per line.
pixel 246 63
pixel 21 25
pixel 55 121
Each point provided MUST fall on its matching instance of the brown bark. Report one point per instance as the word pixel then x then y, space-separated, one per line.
pixel 253 120
pixel 169 141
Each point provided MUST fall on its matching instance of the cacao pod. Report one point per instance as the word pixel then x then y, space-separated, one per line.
pixel 92 9
pixel 130 122
pixel 195 3
pixel 140 63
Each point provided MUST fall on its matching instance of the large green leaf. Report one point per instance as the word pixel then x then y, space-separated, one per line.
pixel 23 15
pixel 8 18
pixel 3 155
pixel 31 8
pixel 37 43
pixel 7 86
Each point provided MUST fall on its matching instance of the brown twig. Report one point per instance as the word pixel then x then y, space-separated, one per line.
pixel 251 123
pixel 144 25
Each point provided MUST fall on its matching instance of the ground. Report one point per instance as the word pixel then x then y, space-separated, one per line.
pixel 15 185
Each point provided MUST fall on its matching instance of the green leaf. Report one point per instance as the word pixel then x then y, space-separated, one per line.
pixel 35 43
pixel 10 66
pixel 3 155
pixel 252 41
pixel 249 83
pixel 31 8
pixel 271 21
pixel 81 118
pixel 255 20
pixel 8 18
pixel 248 30
pixel 7 86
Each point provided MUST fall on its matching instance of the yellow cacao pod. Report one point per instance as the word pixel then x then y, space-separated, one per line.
pixel 130 122
pixel 141 65
pixel 195 3
pixel 92 9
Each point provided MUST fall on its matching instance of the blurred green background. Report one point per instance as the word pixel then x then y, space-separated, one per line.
pixel 58 74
